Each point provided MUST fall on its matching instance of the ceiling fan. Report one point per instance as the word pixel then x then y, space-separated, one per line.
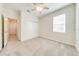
pixel 39 7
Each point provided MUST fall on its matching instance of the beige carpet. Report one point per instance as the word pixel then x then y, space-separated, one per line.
pixel 37 47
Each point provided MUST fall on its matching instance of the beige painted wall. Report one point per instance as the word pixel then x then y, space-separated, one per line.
pixel 46 26
pixel 77 26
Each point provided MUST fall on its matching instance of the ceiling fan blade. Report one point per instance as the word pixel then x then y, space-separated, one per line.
pixel 45 7
pixel 33 9
pixel 38 3
pixel 28 10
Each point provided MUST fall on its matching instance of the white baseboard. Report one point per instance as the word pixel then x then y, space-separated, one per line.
pixel 29 38
pixel 57 40
pixel 77 48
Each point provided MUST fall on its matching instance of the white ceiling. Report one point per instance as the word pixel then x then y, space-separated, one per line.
pixel 28 6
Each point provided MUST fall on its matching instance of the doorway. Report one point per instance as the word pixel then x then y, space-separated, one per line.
pixel 12 28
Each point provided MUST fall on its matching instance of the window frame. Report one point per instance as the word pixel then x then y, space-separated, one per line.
pixel 63 24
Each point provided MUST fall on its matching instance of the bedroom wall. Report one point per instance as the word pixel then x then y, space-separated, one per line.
pixel 29 26
pixel 46 26
pixel 77 26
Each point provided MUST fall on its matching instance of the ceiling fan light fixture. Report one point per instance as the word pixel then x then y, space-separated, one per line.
pixel 39 9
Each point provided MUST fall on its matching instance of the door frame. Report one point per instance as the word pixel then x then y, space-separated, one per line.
pixel 2 31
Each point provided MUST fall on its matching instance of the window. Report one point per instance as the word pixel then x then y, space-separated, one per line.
pixel 59 23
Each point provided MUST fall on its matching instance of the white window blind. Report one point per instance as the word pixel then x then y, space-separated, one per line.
pixel 59 23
